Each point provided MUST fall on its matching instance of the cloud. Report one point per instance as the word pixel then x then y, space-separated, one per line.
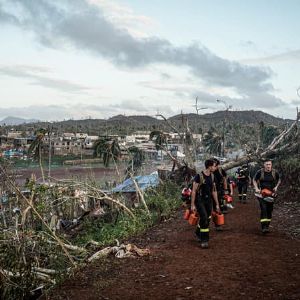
pixel 207 97
pixel 84 25
pixel 124 17
pixel 247 44
pixel 282 57
pixel 168 86
pixel 296 102
pixel 36 75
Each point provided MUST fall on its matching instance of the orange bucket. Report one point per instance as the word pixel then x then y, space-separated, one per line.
pixel 193 219
pixel 186 214
pixel 218 218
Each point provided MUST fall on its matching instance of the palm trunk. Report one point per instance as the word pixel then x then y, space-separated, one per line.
pixel 40 163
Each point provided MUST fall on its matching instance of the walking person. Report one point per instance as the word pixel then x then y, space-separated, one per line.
pixel 230 188
pixel 221 185
pixel 204 193
pixel 266 181
pixel 243 179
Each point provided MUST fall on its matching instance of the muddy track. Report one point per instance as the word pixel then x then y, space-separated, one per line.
pixel 240 263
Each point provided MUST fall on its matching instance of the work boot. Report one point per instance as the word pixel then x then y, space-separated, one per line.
pixel 218 228
pixel 204 245
pixel 224 210
pixel 197 233
pixel 265 230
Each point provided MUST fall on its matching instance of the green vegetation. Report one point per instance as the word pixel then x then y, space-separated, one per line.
pixel 27 243
pixel 289 167
pixel 162 202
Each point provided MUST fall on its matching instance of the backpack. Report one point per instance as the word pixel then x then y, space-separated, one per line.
pixel 224 181
pixel 202 181
pixel 262 174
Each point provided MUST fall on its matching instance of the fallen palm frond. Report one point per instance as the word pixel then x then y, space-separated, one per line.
pixel 121 251
pixel 97 193
pixel 41 239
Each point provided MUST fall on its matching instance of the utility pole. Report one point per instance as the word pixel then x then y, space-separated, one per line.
pixel 198 108
pixel 50 129
pixel 227 107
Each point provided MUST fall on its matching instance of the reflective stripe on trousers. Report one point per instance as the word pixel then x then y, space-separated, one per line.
pixel 265 220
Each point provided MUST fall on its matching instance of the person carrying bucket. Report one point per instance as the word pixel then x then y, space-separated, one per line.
pixel 221 186
pixel 203 194
pixel 266 182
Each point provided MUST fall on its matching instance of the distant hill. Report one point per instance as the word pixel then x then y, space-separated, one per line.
pixel 16 121
pixel 121 124
pixel 243 117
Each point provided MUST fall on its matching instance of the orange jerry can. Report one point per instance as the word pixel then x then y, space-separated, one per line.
pixel 266 193
pixel 193 219
pixel 218 218
pixel 228 198
pixel 186 214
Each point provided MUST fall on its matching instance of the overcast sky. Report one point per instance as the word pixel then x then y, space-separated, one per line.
pixel 62 59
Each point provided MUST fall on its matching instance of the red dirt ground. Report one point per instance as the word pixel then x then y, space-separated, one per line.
pixel 240 263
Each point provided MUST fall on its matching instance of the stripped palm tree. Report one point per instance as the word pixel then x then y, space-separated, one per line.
pixel 213 143
pixel 36 148
pixel 160 141
pixel 107 149
pixel 137 158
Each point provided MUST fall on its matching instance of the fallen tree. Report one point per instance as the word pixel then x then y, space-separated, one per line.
pixel 286 142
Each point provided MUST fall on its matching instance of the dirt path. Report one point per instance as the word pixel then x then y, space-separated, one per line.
pixel 241 263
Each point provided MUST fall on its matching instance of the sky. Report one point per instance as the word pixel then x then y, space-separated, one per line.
pixel 63 59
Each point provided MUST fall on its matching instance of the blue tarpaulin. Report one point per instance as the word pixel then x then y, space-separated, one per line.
pixel 143 182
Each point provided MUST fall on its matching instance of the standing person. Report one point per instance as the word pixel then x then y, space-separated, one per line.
pixel 266 178
pixel 230 188
pixel 221 185
pixel 203 194
pixel 243 182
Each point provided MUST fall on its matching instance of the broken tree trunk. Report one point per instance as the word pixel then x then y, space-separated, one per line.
pixel 290 142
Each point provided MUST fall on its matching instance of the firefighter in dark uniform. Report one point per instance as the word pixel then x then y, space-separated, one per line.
pixel 204 193
pixel 221 185
pixel 243 182
pixel 269 179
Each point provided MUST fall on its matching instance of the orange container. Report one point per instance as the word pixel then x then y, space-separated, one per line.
pixel 193 219
pixel 266 193
pixel 186 214
pixel 218 218
pixel 228 198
